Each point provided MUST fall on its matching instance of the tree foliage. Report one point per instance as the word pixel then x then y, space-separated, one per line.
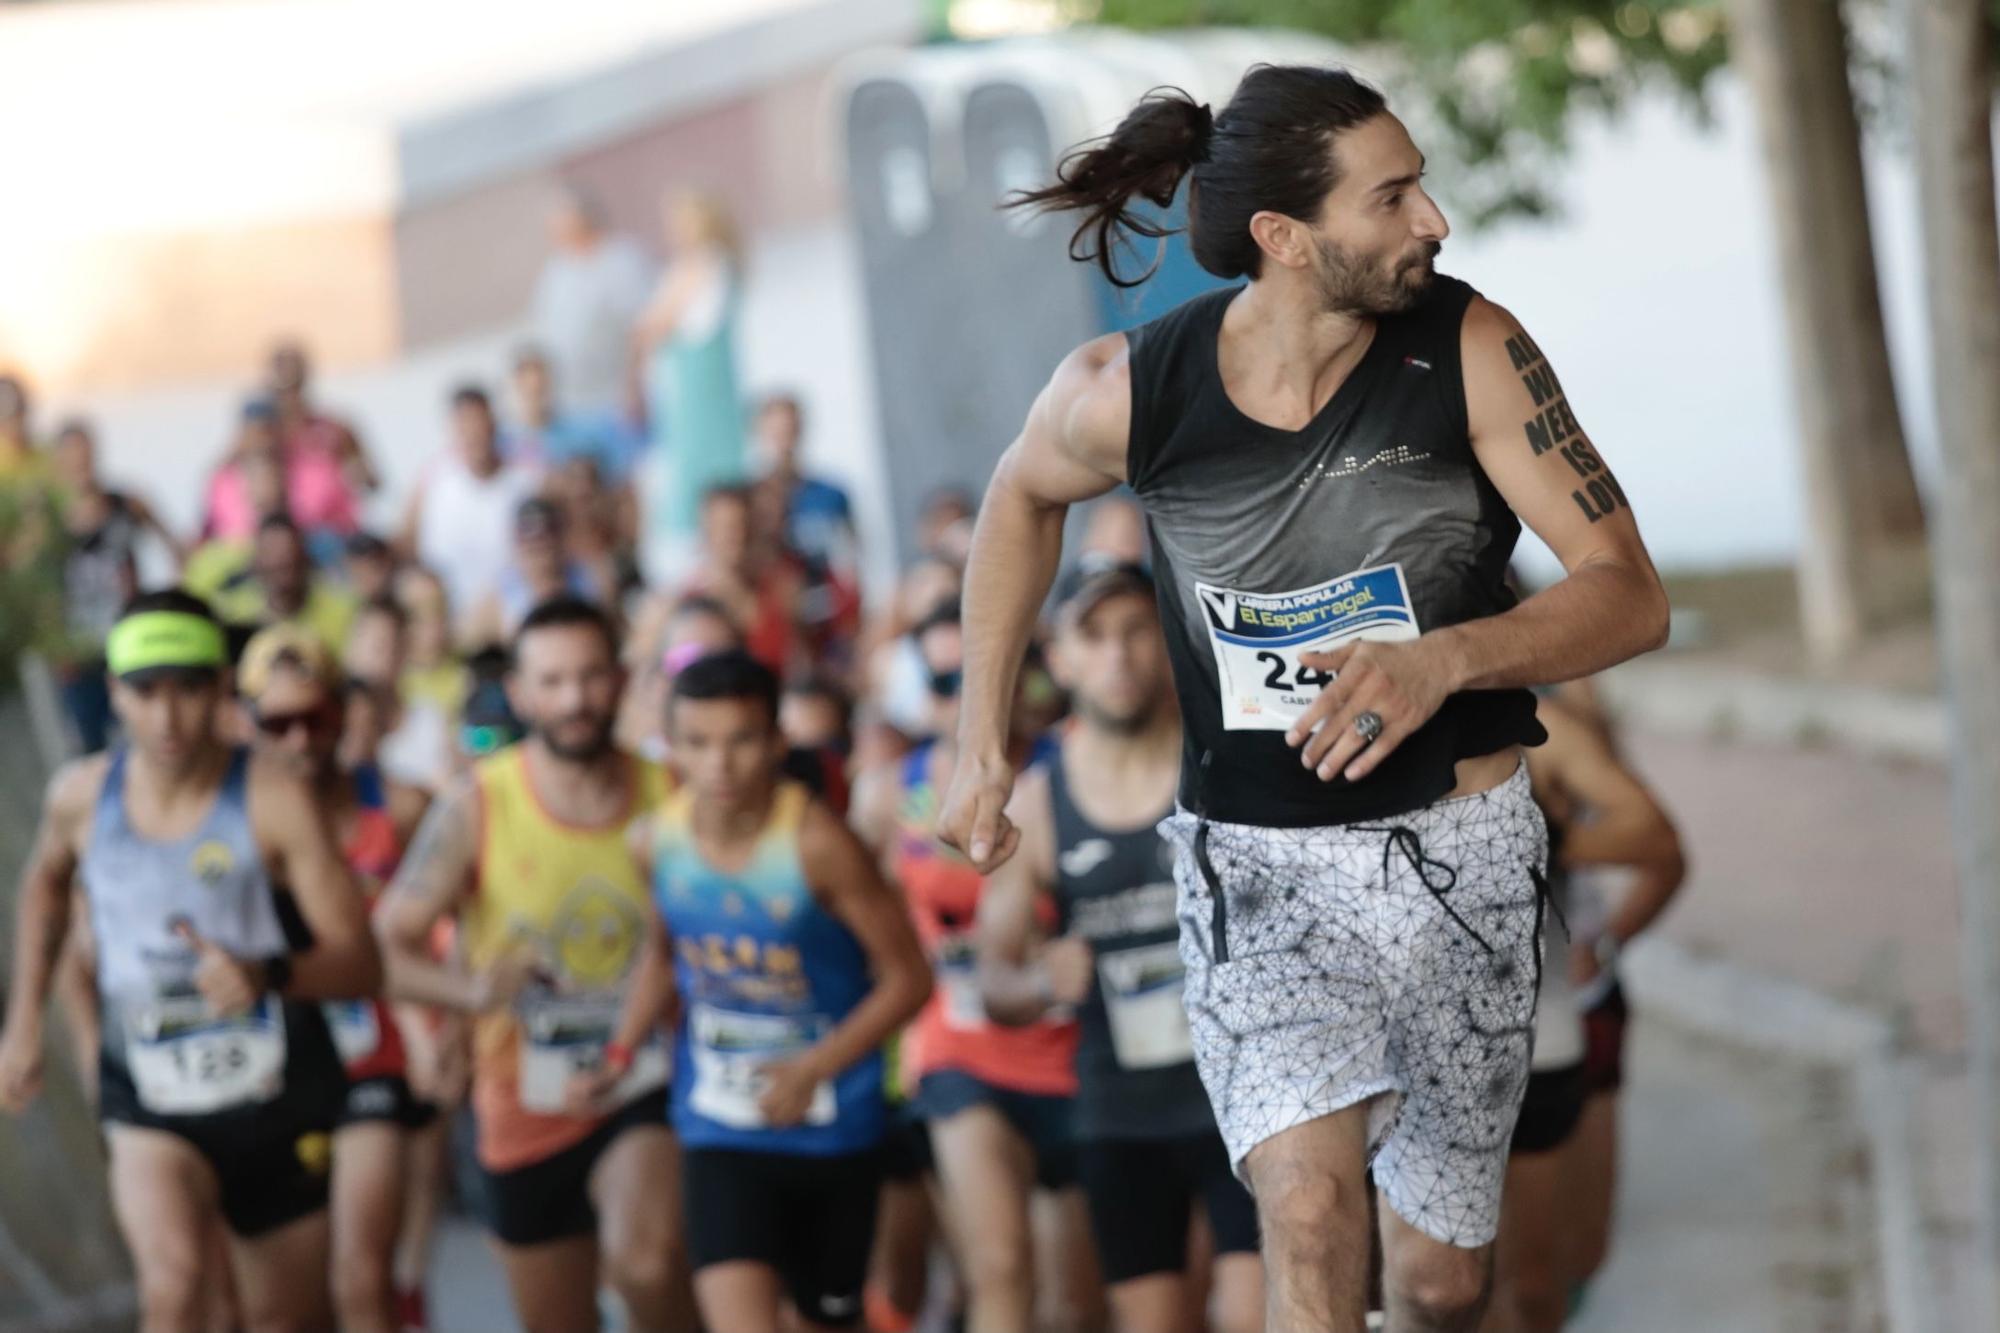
pixel 1500 80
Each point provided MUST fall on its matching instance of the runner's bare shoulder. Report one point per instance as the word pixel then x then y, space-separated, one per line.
pixel 1078 432
pixel 72 796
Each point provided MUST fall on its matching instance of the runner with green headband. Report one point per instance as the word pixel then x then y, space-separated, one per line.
pixel 219 1083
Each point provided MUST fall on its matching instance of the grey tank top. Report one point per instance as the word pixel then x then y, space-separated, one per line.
pixel 1374 518
pixel 139 888
pixel 1135 1070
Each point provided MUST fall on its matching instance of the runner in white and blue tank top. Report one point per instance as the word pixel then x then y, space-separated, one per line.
pixel 221 914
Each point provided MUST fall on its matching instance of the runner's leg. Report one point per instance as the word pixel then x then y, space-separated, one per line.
pixel 1589 1189
pixel 636 1188
pixel 423 1188
pixel 1529 1295
pixel 1071 1297
pixel 269 1267
pixel 901 1262
pixel 1429 1286
pixel 1236 1299
pixel 1313 1212
pixel 741 1295
pixel 165 1196
pixel 987 1171
pixel 370 1169
pixel 554 1283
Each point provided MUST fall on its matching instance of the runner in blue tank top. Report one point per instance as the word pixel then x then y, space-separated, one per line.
pixel 793 962
pixel 219 1084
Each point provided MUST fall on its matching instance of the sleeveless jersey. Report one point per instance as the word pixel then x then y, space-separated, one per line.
pixel 952 1031
pixel 574 896
pixel 763 973
pixel 365 1031
pixel 1375 520
pixel 163 1054
pixel 1135 1068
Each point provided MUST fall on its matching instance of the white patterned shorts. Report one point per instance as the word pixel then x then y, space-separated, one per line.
pixel 1396 960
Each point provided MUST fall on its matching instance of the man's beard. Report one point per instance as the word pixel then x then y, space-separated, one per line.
pixel 1123 725
pixel 1360 285
pixel 578 751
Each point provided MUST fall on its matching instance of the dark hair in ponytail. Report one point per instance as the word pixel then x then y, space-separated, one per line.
pixel 1271 149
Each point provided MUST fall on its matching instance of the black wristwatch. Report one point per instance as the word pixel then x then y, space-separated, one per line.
pixel 277 973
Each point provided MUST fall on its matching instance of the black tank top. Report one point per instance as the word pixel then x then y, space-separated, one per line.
pixel 1135 1066
pixel 1377 514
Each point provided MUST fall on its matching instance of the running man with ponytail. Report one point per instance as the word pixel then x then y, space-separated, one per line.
pixel 1335 458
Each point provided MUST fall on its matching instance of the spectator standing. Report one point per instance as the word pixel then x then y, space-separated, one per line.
pixel 324 450
pixel 461 517
pixel 101 531
pixel 592 287
pixel 688 336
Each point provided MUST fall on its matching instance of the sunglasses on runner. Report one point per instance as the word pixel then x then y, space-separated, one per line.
pixel 278 725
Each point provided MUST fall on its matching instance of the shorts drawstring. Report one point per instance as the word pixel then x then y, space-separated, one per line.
pixel 1402 838
pixel 1218 920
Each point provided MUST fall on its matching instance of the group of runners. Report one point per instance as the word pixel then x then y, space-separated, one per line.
pixel 1260 974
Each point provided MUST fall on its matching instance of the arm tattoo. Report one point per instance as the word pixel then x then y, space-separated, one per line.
pixel 1553 426
pixel 435 868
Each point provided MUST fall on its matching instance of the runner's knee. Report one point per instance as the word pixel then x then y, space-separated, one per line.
pixel 640 1261
pixel 170 1287
pixel 1443 1288
pixel 363 1282
pixel 1306 1210
pixel 997 1264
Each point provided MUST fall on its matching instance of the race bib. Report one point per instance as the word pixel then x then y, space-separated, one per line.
pixel 1258 637
pixel 1142 999
pixel 958 984
pixel 730 1050
pixel 357 1032
pixel 563 1036
pixel 186 1061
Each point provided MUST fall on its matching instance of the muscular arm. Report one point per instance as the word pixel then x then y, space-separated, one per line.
pixel 1013 987
pixel 1610 606
pixel 431 881
pixel 298 838
pixel 1071 449
pixel 42 905
pixel 847 884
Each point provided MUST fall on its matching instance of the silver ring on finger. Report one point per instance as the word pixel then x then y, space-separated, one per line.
pixel 1368 725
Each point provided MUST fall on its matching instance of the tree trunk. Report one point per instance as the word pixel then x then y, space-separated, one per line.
pixel 1952 91
pixel 1862 556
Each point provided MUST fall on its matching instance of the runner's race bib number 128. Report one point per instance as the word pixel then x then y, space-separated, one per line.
pixel 1259 637
pixel 186 1061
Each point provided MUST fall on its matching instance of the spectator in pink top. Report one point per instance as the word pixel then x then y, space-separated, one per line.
pixel 316 491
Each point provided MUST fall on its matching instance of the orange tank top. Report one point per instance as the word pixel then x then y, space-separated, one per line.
pixel 952 1031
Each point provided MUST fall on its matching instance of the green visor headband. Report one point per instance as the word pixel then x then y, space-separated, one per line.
pixel 153 640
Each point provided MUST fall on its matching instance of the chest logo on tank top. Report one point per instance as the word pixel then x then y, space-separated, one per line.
pixel 1085 857
pixel 211 863
pixel 1351 466
pixel 1259 637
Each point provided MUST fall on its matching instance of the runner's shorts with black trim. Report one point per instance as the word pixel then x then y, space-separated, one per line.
pixel 1394 962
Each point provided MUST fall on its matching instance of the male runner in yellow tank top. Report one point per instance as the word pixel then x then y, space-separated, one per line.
pixel 529 854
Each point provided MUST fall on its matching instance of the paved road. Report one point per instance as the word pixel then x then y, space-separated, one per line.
pixel 1733 1218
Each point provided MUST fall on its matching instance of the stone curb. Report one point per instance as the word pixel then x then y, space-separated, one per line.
pixel 1664 695
pixel 1733 1004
